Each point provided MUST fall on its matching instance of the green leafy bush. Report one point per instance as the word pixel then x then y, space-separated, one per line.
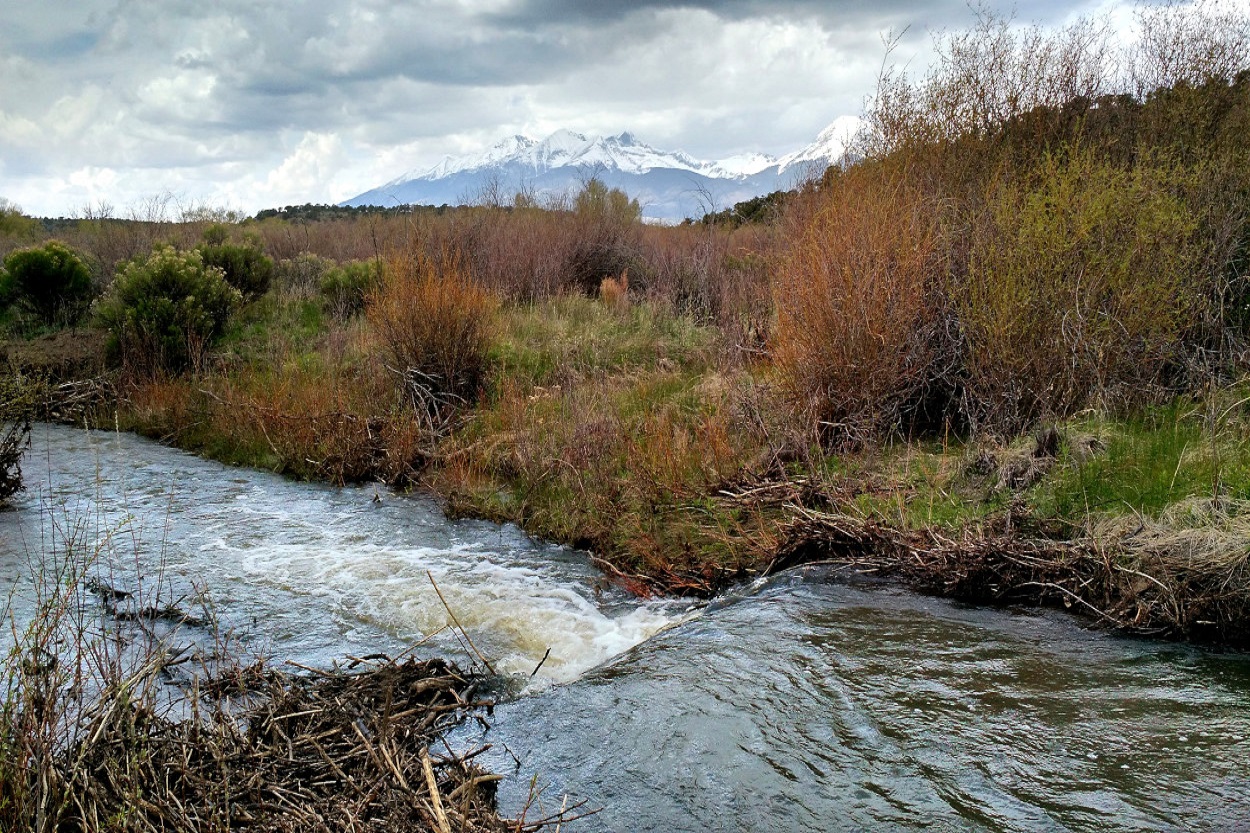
pixel 346 287
pixel 164 312
pixel 762 209
pixel 50 281
pixel 1081 291
pixel 246 267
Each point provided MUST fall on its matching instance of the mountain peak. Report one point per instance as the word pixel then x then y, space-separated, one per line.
pixel 671 185
pixel 564 148
pixel 829 146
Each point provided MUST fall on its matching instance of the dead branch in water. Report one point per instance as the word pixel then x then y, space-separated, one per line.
pixel 459 627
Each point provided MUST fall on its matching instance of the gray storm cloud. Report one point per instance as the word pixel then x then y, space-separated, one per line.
pixel 115 100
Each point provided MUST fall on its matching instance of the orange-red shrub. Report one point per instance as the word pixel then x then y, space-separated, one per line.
pixel 857 299
pixel 436 324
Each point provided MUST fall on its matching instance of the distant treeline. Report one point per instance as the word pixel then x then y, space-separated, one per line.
pixel 761 209
pixel 313 212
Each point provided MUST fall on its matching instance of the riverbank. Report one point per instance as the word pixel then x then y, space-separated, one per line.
pixel 138 606
pixel 1018 320
pixel 628 434
pixel 780 704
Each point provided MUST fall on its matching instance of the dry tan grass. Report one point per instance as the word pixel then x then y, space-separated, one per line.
pixel 1199 537
pixel 1185 575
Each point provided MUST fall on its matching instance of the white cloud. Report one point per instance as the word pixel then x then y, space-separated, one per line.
pixel 93 180
pixel 18 131
pixel 312 166
pixel 267 102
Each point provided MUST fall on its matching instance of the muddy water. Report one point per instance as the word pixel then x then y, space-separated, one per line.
pixel 797 704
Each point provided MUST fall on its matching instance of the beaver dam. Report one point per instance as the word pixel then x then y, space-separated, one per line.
pixel 303 690
pixel 265 750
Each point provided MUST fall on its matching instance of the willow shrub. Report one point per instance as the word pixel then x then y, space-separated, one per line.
pixel 858 300
pixel 164 312
pixel 437 326
pixel 50 281
pixel 346 287
pixel 1081 290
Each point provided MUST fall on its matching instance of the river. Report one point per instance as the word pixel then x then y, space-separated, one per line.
pixel 799 703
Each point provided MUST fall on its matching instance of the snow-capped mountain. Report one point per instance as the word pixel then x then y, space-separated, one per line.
pixel 829 145
pixel 561 149
pixel 670 185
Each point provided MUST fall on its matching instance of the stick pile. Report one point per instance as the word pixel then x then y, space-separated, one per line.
pixel 266 750
pixel 1138 580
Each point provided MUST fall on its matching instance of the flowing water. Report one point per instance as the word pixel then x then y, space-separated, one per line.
pixel 802 703
pixel 311 573
pixel 812 705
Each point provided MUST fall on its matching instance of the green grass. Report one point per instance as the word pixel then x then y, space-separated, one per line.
pixel 1141 464
pixel 623 456
pixel 18 325
pixel 275 324
pixel 571 337
pixel 914 484
pixel 1152 461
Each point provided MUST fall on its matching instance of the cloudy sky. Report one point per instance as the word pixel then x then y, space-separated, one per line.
pixel 248 104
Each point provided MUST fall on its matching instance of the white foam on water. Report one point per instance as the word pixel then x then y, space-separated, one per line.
pixel 311 573
pixel 512 611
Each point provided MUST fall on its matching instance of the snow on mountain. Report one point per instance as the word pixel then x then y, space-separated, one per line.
pixel 564 148
pixel 746 164
pixel 671 185
pixel 828 147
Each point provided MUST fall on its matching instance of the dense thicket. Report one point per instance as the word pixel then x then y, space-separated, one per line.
pixel 1030 230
